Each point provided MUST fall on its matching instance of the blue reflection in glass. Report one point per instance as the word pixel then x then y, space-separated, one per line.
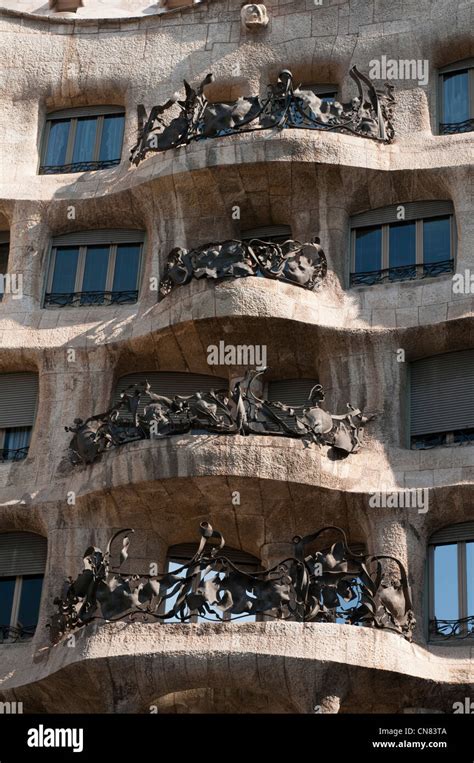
pixel 436 240
pixel 30 601
pixel 126 268
pixel 456 97
pixel 65 267
pixel 368 250
pixel 84 142
pixel 446 582
pixel 402 249
pixel 112 138
pixel 16 442
pixel 7 590
pixel 470 578
pixel 95 274
pixel 57 143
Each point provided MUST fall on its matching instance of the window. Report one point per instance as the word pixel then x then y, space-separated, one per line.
pixel 183 553
pixel 451 582
pixel 4 252
pixel 94 268
pixel 276 234
pixel 442 400
pixel 22 565
pixel 77 140
pixel 457 98
pixel 18 399
pixel 385 248
pixel 293 392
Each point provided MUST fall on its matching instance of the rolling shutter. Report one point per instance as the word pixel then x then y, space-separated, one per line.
pixel 415 210
pixel 85 111
pixel 22 553
pixel 276 233
pixel 18 398
pixel 290 391
pixel 442 393
pixel 170 384
pixel 453 534
pixel 91 237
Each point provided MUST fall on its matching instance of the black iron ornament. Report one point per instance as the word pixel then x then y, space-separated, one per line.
pixel 292 262
pixel 241 412
pixel 332 585
pixel 369 114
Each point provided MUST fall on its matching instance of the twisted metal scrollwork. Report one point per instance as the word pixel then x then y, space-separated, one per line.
pixel 369 114
pixel 243 412
pixel 332 585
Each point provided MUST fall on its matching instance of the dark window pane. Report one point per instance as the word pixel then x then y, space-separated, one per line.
pixel 368 250
pixel 16 442
pixel 7 590
pixel 57 143
pixel 112 137
pixel 456 97
pixel 126 267
pixel 30 601
pixel 95 273
pixel 436 240
pixel 402 250
pixel 446 582
pixel 4 249
pixel 65 267
pixel 84 142
pixel 470 578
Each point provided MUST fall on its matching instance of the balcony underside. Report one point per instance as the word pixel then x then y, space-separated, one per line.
pixel 270 667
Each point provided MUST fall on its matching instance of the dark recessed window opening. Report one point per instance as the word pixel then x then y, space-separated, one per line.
pixel 442 400
pixel 94 268
pixel 4 252
pixel 451 582
pixel 385 249
pixel 22 565
pixel 78 140
pixel 457 98
pixel 18 401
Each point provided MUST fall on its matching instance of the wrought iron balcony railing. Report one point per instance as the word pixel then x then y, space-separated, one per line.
pixel 61 169
pixel 244 413
pixel 90 298
pixel 402 273
pixel 452 629
pixel 325 586
pixel 178 122
pixel 9 633
pixel 15 454
pixel 451 128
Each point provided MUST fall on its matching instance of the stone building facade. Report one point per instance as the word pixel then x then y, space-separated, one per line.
pixel 361 338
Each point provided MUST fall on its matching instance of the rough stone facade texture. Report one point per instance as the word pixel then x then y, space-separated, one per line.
pixel 346 337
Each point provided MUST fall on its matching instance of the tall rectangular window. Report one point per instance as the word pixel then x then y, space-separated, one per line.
pixel 94 268
pixel 457 98
pixel 4 252
pixel 78 140
pixel 22 565
pixel 18 400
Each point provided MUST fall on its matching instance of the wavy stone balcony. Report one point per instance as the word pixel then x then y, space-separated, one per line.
pixel 275 666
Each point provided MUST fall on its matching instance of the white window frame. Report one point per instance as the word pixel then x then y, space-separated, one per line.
pixel 15 610
pixel 462 586
pixel 459 66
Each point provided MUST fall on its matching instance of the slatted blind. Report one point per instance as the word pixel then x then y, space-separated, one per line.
pixel 85 111
pixel 442 393
pixel 108 237
pixel 290 391
pixel 170 384
pixel 453 534
pixel 415 210
pixel 183 552
pixel 22 553
pixel 18 398
pixel 278 233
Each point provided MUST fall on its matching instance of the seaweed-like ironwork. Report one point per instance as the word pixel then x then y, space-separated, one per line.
pixel 334 585
pixel 241 412
pixel 178 122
